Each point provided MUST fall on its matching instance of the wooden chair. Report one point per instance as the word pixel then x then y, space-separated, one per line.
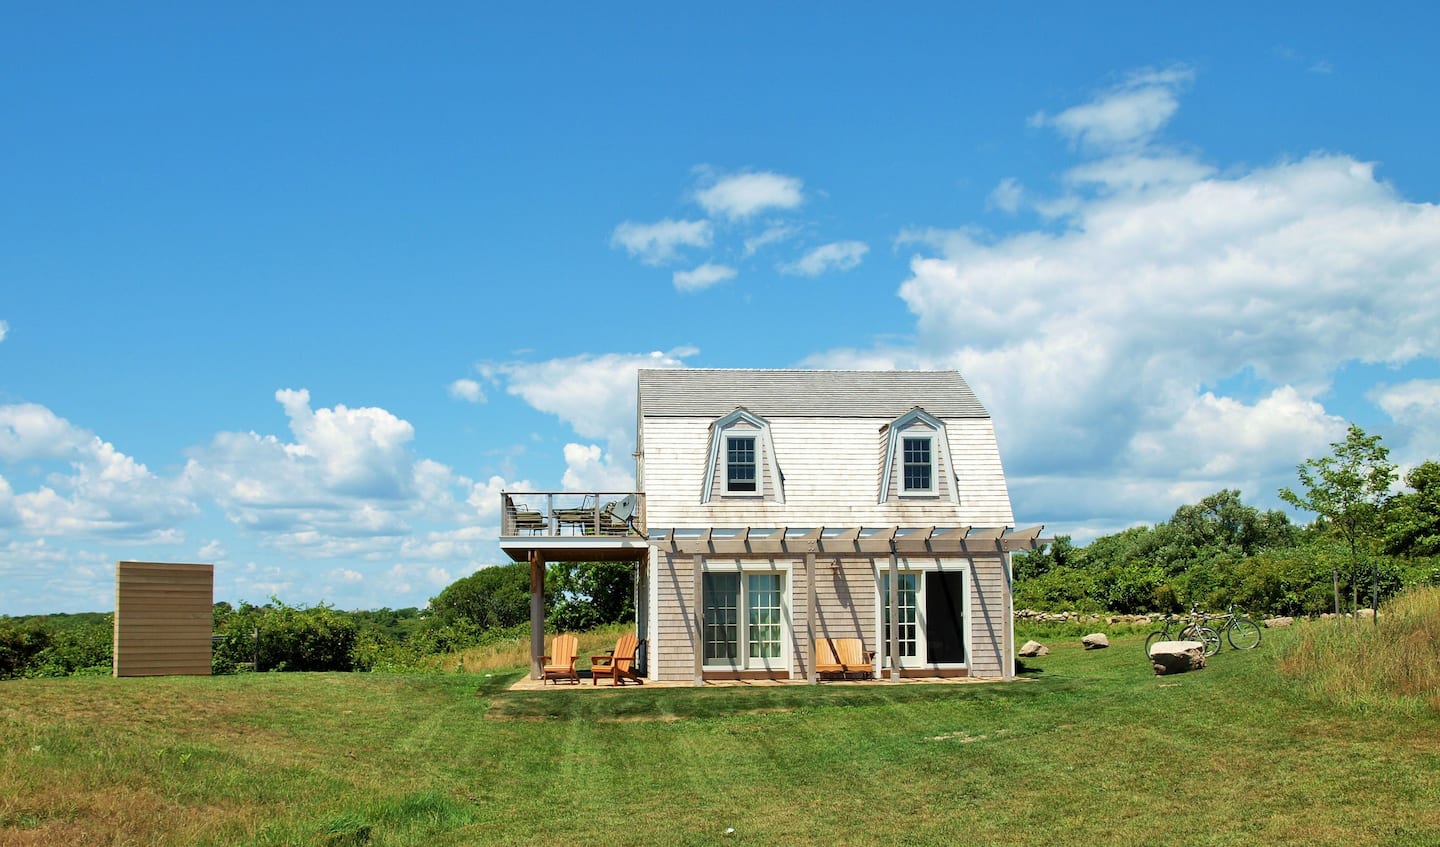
pixel 618 664
pixel 843 656
pixel 561 664
pixel 527 519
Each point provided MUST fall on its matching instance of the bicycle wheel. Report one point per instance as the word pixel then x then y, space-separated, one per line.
pixel 1157 635
pixel 1205 635
pixel 1243 634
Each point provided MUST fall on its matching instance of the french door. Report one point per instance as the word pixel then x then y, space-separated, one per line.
pixel 930 618
pixel 745 620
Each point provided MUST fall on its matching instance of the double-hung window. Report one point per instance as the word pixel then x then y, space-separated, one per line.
pixel 740 465
pixel 918 465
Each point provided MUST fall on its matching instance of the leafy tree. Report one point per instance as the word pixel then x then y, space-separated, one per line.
pixel 490 598
pixel 1413 521
pixel 585 595
pixel 1347 490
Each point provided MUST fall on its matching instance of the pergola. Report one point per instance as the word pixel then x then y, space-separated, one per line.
pixel 808 544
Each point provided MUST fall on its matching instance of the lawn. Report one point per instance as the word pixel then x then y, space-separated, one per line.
pixel 1089 749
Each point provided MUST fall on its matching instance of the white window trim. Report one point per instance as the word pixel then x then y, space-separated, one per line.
pixel 939 459
pixel 766 465
pixel 782 664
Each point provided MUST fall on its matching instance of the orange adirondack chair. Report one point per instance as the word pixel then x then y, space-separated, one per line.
pixel 843 656
pixel 561 665
pixel 618 664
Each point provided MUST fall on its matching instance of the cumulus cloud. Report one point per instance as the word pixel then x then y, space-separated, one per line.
pixel 1103 345
pixel 347 484
pixel 702 277
pixel 1415 407
pixel 594 394
pixel 468 390
pixel 744 195
pixel 1007 196
pixel 838 256
pixel 588 468
pixel 660 242
pixel 102 493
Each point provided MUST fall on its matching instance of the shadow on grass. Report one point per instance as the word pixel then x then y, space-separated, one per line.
pixel 669 704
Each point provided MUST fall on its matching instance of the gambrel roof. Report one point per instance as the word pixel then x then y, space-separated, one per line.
pixel 696 392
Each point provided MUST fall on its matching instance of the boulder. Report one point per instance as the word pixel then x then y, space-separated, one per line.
pixel 1168 657
pixel 1365 614
pixel 1095 641
pixel 1276 623
pixel 1034 648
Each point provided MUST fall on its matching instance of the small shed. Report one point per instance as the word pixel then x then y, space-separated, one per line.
pixel 163 618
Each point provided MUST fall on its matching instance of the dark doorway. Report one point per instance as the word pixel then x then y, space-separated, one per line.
pixel 945 617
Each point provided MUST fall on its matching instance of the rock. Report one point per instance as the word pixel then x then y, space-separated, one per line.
pixel 1365 614
pixel 1095 641
pixel 1169 657
pixel 1034 648
pixel 1276 623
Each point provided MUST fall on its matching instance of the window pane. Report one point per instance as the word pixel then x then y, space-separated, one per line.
pixel 740 464
pixel 909 587
pixel 764 615
pixel 722 611
pixel 917 465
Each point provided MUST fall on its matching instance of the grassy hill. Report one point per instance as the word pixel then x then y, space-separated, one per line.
pixel 1089 749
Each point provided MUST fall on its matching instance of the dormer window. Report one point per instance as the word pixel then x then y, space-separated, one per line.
pixel 741 461
pixel 918 470
pixel 740 464
pixel 916 463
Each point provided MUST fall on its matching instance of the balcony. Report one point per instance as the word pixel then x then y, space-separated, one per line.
pixel 573 526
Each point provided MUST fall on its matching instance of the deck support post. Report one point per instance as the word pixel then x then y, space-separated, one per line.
pixel 537 612
pixel 810 616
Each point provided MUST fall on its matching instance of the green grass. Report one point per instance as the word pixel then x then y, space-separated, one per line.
pixel 1089 749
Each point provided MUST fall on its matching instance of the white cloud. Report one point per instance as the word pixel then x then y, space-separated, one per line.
pixel 1098 344
pixel 212 551
pixel 1415 407
pixel 1007 196
pixel 4 330
pixel 837 256
pixel 588 468
pixel 468 390
pixel 347 485
pixel 702 277
pixel 1127 115
pixel 659 243
pixel 771 235
pixel 103 493
pixel 744 195
pixel 594 394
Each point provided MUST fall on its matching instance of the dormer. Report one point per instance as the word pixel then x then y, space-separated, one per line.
pixel 916 462
pixel 740 463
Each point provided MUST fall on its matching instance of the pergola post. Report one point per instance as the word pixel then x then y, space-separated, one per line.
pixel 699 609
pixel 810 616
pixel 894 601
pixel 537 612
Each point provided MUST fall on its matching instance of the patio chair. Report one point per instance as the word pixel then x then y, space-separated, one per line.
pixel 561 663
pixel 527 519
pixel 618 664
pixel 581 519
pixel 618 516
pixel 843 656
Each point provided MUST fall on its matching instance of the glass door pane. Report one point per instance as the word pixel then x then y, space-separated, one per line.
pixel 722 618
pixel 907 613
pixel 766 624
pixel 945 617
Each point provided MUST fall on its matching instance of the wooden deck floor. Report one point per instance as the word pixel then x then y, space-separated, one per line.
pixel 528 684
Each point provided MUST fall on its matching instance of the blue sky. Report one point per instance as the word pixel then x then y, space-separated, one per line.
pixel 298 292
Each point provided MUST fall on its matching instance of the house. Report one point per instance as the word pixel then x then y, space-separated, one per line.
pixel 778 507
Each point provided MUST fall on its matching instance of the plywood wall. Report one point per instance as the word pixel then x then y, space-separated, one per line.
pixel 163 618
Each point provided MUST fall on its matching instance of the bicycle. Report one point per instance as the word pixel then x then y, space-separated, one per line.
pixel 1192 628
pixel 1240 631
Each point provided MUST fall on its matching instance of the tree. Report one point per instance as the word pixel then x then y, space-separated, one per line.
pixel 1412 526
pixel 1348 490
pixel 585 595
pixel 490 598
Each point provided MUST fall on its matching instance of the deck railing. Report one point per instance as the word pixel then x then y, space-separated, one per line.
pixel 563 513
